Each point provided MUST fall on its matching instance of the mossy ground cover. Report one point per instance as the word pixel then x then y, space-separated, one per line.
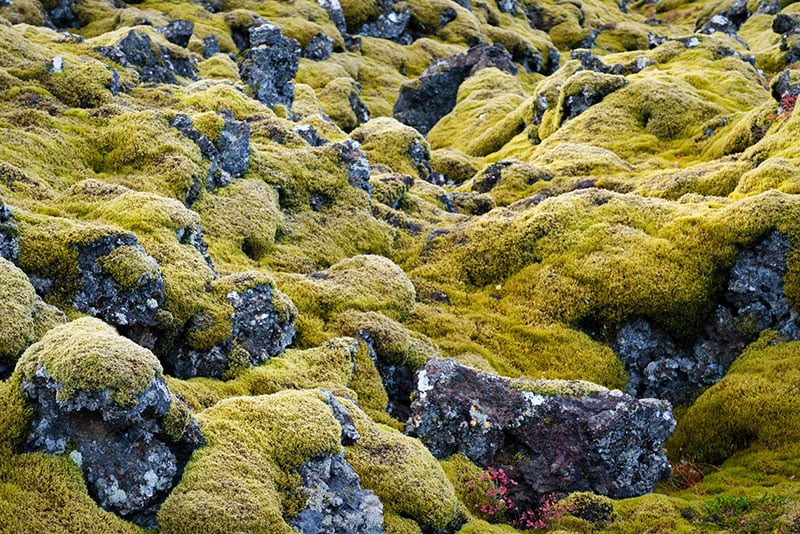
pixel 637 206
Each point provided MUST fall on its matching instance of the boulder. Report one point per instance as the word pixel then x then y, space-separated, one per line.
pixel 61 15
pixel 104 399
pixel 178 32
pixel 433 95
pixel 549 436
pixel 9 234
pixel 334 9
pixel 229 154
pixel 154 63
pixel 210 46
pixel 728 21
pixel 660 365
pixel 319 48
pixel 355 161
pixel 270 65
pixel 390 25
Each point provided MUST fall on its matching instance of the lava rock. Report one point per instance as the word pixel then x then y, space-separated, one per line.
pixel 310 134
pixel 336 14
pixel 357 105
pixel 178 32
pixel 356 163
pixel 229 156
pixel 589 61
pixel 391 25
pixel 154 64
pixel 593 439
pixel 727 22
pixel 350 434
pixel 336 502
pixel 420 155
pixel 62 15
pixel 507 6
pixel 588 89
pixel 432 96
pixel 130 445
pixel 258 327
pixel 319 48
pixel 786 23
pixel 102 295
pixel 754 300
pixel 9 235
pixel 398 378
pixel 210 46
pixel 270 65
pixel 193 236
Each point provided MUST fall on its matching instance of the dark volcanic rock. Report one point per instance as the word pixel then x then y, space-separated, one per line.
pixel 210 46
pixel 661 366
pixel 130 453
pixel 601 441
pixel 102 295
pixel 336 503
pixel 270 65
pixel 786 23
pixel 319 47
pixel 229 156
pixel 420 155
pixel 61 15
pixel 9 235
pixel 178 32
pixel 728 21
pixel 310 134
pixel 390 25
pixel 588 89
pixel 357 164
pixel 258 327
pixel 334 9
pixel 357 105
pixel 153 63
pixel 433 95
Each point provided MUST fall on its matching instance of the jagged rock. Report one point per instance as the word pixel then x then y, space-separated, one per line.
pixel 105 399
pixel 193 236
pixel 589 61
pixel 153 63
pixel 319 48
pixel 357 165
pixel 786 23
pixel 507 6
pixel 61 15
pixel 9 235
pixel 390 25
pixel 357 105
pixel 334 9
pixel 310 134
pixel 585 89
pixel 262 326
pixel 420 155
pixel 433 95
pixel 210 46
pixel 660 365
pixel 492 176
pixel 270 65
pixel 349 433
pixel 574 436
pixel 229 156
pixel 728 21
pixel 178 32
pixel 107 291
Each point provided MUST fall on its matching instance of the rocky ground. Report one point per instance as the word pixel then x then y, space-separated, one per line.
pixel 421 266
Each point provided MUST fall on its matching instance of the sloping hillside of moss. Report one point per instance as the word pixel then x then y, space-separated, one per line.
pixel 615 173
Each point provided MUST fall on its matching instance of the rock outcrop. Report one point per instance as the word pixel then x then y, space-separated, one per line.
pixel 567 437
pixel 662 366
pixel 103 399
pixel 9 234
pixel 153 62
pixel 270 65
pixel 431 97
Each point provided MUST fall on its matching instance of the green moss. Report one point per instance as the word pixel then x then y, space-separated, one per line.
pixel 88 355
pixel 404 475
pixel 335 100
pixel 426 17
pixel 128 266
pixel 46 493
pixel 178 416
pixel 387 141
pixel 253 444
pixel 651 513
pixel 518 180
pixel 216 96
pixel 773 173
pixel 714 178
pixel 17 324
pixel 753 404
pixel 366 382
pixel 15 416
pixel 454 165
pixel 564 388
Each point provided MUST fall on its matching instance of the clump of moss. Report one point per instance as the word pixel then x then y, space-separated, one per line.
pixel 655 513
pixel 253 444
pixel 773 173
pixel 17 324
pixel 752 405
pixel 88 355
pixel 336 99
pixel 128 266
pixel 454 165
pixel 387 141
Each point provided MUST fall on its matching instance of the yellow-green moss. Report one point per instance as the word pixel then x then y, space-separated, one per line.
pixel 128 266
pixel 216 96
pixel 17 323
pixel 88 355
pixel 15 415
pixel 651 513
pixel 366 381
pixel 773 173
pixel 453 164
pixel 241 480
pixel 387 141
pixel 335 100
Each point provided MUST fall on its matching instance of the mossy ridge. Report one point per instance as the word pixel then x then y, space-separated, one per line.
pixel 328 366
pixel 88 355
pixel 17 324
pixel 253 444
pixel 387 141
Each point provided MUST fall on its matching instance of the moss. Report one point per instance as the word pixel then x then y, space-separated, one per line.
pixel 365 283
pixel 88 355
pixel 764 411
pixel 216 96
pixel 359 13
pixel 518 180
pixel 46 493
pixel 773 173
pixel 651 513
pixel 714 178
pixel 426 18
pixel 335 100
pixel 387 141
pixel 564 388
pixel 253 444
pixel 17 324
pixel 404 475
pixel 178 416
pixel 128 266
pixel 454 165
pixel 574 159
pixel 15 416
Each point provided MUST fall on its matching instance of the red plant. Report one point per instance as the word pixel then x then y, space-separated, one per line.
pixel 498 504
pixel 787 105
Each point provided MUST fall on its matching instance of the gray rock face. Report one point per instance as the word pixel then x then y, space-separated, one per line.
pixel 391 25
pixel 229 156
pixel 210 46
pixel 310 134
pixel 154 64
pixel 357 164
pixel 127 459
pixel 257 328
pixel 357 105
pixel 433 96
pixel 605 442
pixel 336 503
pixel 336 14
pixel 61 15
pixel 9 235
pixel 102 296
pixel 178 32
pixel 728 21
pixel 270 65
pixel 661 366
pixel 319 48
pixel 193 236
pixel 421 158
